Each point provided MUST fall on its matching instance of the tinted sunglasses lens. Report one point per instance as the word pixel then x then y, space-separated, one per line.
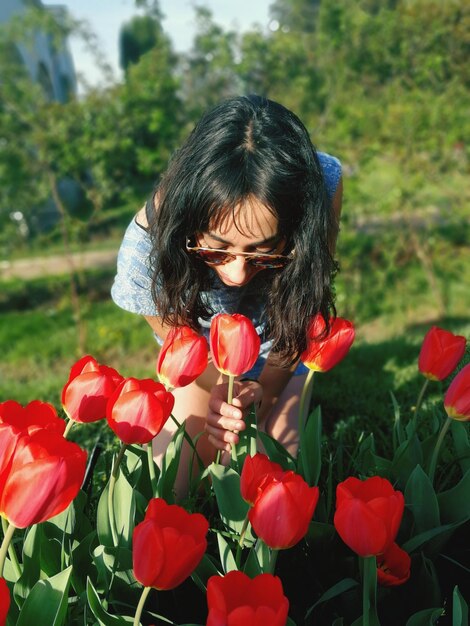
pixel 267 262
pixel 213 257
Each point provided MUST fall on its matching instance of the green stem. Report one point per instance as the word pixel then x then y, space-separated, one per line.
pixel 112 482
pixel 305 400
pixel 11 551
pixel 241 541
pixel 151 464
pixel 272 561
pixel 437 447
pixel 229 400
pixel 140 606
pixel 419 400
pixel 68 428
pixel 4 547
pixel 369 591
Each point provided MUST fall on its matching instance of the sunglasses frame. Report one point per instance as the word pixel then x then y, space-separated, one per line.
pixel 230 256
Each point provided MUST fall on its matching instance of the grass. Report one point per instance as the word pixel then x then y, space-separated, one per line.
pixel 38 343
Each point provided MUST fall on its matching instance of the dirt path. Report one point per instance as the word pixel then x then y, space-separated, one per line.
pixel 57 264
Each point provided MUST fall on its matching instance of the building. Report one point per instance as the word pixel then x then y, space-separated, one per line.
pixel 47 63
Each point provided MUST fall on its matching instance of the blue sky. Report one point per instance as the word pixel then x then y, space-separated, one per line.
pixel 106 16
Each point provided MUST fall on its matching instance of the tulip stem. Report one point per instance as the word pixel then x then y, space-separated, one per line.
pixel 305 400
pixel 272 561
pixel 419 400
pixel 112 482
pixel 11 550
pixel 369 592
pixel 229 400
pixel 151 464
pixel 437 447
pixel 140 606
pixel 241 541
pixel 68 428
pixel 4 547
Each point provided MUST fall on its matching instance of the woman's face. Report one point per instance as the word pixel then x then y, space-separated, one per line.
pixel 252 228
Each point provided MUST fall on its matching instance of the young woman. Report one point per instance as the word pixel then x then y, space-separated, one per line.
pixel 244 220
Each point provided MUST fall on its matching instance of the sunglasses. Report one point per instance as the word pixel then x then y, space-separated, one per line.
pixel 212 256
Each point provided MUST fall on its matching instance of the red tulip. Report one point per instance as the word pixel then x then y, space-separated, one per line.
pixel 457 398
pixel 85 395
pixel 4 601
pixel 393 567
pixel 16 421
pixel 237 600
pixel 235 343
pixel 168 545
pixel 322 354
pixel 255 470
pixel 44 477
pixel 283 510
pixel 32 417
pixel 138 410
pixel 440 353
pixel 182 358
pixel 368 514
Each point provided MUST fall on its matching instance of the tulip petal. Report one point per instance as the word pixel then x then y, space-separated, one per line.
pixel 360 528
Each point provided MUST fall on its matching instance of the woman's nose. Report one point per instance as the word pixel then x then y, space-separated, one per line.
pixel 237 270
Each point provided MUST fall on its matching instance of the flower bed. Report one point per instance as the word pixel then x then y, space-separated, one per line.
pixel 269 539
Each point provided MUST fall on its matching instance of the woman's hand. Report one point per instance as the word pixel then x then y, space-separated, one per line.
pixel 225 420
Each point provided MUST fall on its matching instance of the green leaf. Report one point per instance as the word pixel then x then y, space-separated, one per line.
pixel 461 444
pixel 227 560
pixel 310 448
pixel 204 571
pixel 421 500
pixel 336 590
pixel 427 617
pixel 124 513
pixel 408 455
pixel 104 618
pixel 276 452
pixel 252 567
pixel 247 443
pixel 290 622
pixel 338 622
pixel 263 554
pixel 232 508
pixel 31 565
pixel 454 503
pixel 419 540
pixel 47 602
pixel 398 432
pixel 170 465
pixel 459 609
pixel 82 562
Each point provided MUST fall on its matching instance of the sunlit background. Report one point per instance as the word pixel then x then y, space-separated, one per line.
pixel 97 95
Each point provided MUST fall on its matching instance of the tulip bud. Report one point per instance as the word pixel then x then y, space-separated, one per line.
pixel 44 477
pixel 255 470
pixel 322 354
pixel 86 393
pixel 239 600
pixel 457 398
pixel 234 342
pixel 4 601
pixel 283 510
pixel 393 567
pixel 182 358
pixel 168 545
pixel 138 410
pixel 440 353
pixel 368 514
